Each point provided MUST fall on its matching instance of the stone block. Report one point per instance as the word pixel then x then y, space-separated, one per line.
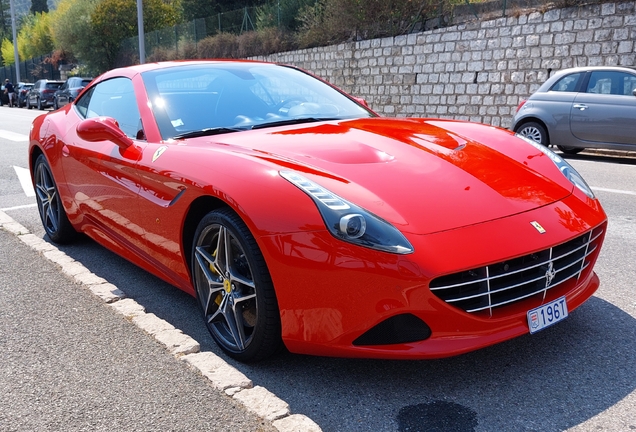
pixel 263 403
pixel 220 373
pixel 296 423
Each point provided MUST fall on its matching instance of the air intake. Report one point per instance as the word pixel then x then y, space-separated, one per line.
pixel 398 329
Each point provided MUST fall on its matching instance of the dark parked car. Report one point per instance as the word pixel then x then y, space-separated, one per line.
pixel 4 98
pixel 582 107
pixel 22 91
pixel 69 91
pixel 42 93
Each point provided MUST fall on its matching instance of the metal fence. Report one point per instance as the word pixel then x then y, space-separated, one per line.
pixel 31 70
pixel 183 38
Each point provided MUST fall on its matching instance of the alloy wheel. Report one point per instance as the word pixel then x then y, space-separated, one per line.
pixel 47 198
pixel 225 287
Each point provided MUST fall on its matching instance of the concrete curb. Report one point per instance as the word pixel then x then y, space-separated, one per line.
pixel 222 376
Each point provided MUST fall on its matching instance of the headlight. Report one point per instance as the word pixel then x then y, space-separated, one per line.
pixel 348 222
pixel 566 169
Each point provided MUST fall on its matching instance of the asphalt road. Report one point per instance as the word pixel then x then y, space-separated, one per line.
pixel 578 375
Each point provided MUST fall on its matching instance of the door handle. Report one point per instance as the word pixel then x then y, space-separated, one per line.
pixel 581 107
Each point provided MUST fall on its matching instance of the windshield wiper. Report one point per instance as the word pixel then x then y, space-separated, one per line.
pixel 207 132
pixel 294 121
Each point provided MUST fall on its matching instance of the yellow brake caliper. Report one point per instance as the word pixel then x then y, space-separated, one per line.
pixel 219 296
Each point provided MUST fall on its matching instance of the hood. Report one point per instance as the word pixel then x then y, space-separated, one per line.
pixel 423 176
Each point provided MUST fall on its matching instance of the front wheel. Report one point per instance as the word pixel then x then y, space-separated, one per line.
pixel 570 150
pixel 535 132
pixel 52 213
pixel 234 288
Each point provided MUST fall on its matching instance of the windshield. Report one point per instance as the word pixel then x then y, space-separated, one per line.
pixel 229 97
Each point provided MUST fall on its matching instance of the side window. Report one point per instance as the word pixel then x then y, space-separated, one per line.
pixel 113 98
pixel 568 83
pixel 614 83
pixel 628 84
pixel 82 103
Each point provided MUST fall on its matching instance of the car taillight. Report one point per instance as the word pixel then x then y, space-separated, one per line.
pixel 522 103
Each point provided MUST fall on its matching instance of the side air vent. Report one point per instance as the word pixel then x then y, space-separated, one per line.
pixel 398 329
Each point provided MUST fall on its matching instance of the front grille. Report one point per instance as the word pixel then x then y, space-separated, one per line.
pixel 485 288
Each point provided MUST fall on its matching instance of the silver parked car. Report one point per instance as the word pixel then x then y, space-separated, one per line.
pixel 585 107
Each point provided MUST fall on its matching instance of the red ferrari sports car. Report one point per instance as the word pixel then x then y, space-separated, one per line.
pixel 298 216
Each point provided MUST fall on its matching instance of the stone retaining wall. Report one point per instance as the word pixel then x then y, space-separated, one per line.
pixel 478 70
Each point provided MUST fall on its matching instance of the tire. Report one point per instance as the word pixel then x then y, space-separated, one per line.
pixel 40 107
pixel 570 150
pixel 235 293
pixel 535 132
pixel 52 213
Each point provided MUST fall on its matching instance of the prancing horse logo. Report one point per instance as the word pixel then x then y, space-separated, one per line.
pixel 549 274
pixel 538 227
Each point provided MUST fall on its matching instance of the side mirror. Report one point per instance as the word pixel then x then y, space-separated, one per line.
pixel 103 129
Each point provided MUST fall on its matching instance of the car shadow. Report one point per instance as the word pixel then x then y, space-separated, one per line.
pixel 553 380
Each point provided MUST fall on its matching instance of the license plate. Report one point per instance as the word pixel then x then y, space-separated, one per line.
pixel 548 314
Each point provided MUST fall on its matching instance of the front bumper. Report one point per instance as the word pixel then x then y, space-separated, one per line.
pixel 330 292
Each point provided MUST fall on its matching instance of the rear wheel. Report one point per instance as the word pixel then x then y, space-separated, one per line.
pixel 570 150
pixel 535 132
pixel 234 288
pixel 52 213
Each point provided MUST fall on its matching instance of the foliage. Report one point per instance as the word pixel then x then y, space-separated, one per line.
pixel 39 6
pixel 7 52
pixel 223 45
pixel 248 44
pixel 281 14
pixel 5 20
pixel 34 38
pixel 70 27
pixel 330 21
pixel 264 42
pixel 193 9
pixel 59 57
pixel 112 21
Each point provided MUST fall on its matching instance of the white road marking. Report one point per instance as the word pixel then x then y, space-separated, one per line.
pixel 618 191
pixel 19 207
pixel 25 180
pixel 12 136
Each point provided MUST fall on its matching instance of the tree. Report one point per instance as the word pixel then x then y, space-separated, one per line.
pixel 193 9
pixel 7 52
pixel 34 38
pixel 72 31
pixel 39 6
pixel 282 13
pixel 112 21
pixel 5 19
